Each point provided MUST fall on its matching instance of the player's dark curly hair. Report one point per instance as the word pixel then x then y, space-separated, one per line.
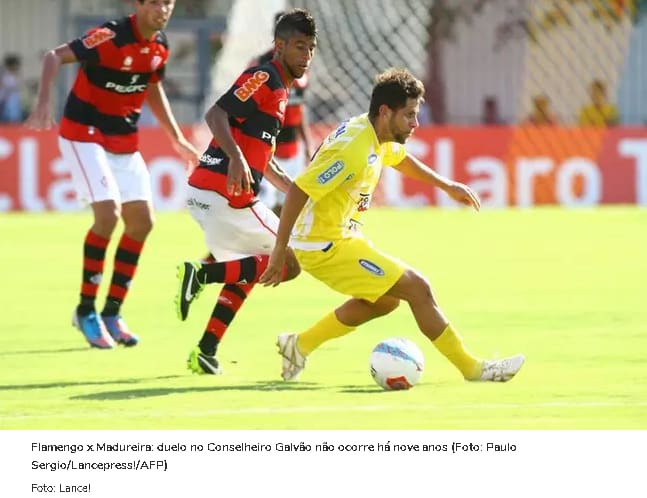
pixel 394 87
pixel 295 21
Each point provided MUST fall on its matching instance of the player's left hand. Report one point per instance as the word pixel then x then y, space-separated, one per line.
pixel 464 194
pixel 188 152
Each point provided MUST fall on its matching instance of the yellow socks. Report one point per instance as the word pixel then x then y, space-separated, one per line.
pixel 450 344
pixel 325 329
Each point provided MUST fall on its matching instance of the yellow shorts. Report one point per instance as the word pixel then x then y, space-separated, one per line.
pixel 353 267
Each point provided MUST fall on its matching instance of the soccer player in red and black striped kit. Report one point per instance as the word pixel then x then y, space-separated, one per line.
pixel 293 144
pixel 122 64
pixel 240 230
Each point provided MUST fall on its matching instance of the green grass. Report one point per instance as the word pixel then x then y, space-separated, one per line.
pixel 566 288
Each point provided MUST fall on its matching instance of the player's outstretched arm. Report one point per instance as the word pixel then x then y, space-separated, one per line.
pixel 414 168
pixel 41 116
pixel 294 202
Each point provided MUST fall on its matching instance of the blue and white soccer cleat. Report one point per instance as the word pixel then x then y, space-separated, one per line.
pixel 93 330
pixel 119 331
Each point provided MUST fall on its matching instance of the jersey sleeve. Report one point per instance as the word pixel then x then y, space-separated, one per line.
pixel 329 170
pixel 246 95
pixel 88 48
pixel 394 153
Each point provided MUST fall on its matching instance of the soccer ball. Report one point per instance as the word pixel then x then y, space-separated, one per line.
pixel 397 363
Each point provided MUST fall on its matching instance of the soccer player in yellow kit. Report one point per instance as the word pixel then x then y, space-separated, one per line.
pixel 321 222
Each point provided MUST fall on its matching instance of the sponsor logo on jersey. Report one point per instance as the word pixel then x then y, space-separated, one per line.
pixel 97 37
pixel 372 267
pixel 208 160
pixel 110 85
pixel 193 202
pixel 331 172
pixel 364 202
pixel 249 87
pixel 372 158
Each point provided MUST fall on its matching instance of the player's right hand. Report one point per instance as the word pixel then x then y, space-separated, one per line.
pixel 239 176
pixel 274 271
pixel 40 118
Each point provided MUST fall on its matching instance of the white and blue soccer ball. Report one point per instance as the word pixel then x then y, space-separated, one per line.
pixel 397 363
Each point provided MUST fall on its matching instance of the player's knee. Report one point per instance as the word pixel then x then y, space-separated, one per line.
pixel 140 228
pixel 105 220
pixel 417 287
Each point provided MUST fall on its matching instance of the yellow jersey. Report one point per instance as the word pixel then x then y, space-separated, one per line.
pixel 340 181
pixel 595 116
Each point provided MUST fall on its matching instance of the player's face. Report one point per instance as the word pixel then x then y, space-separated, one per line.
pixel 153 15
pixel 403 121
pixel 295 54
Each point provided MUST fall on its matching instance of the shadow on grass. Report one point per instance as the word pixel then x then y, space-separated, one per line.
pixel 165 391
pixel 45 351
pixel 57 385
pixel 361 390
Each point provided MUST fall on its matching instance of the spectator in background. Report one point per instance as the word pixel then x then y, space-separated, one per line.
pixel 490 114
pixel 10 81
pixel 541 114
pixel 600 112
pixel 293 145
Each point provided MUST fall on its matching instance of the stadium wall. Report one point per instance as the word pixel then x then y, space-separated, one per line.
pixel 507 166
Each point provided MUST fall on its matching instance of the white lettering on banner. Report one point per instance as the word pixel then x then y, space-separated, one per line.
pixel 492 190
pixel 28 163
pixel 569 170
pixel 527 169
pixel 444 163
pixel 174 170
pixel 61 195
pixel 6 149
pixel 637 149
pixel 394 191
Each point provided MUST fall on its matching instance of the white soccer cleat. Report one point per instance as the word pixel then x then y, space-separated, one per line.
pixel 501 370
pixel 293 361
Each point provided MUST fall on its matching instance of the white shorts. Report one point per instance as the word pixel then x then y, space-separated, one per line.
pixel 232 233
pixel 99 175
pixel 268 193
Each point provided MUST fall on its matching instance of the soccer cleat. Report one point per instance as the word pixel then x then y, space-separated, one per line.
pixel 189 287
pixel 501 370
pixel 93 330
pixel 119 331
pixel 201 363
pixel 293 361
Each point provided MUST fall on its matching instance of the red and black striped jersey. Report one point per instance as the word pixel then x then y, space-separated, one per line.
pixel 287 141
pixel 116 66
pixel 256 105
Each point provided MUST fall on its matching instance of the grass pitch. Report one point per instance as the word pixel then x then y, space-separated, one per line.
pixel 566 288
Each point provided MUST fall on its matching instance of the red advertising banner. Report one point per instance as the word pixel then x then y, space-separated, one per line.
pixel 507 166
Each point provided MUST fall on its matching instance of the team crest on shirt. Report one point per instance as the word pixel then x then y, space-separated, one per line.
pixel 97 37
pixel 155 62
